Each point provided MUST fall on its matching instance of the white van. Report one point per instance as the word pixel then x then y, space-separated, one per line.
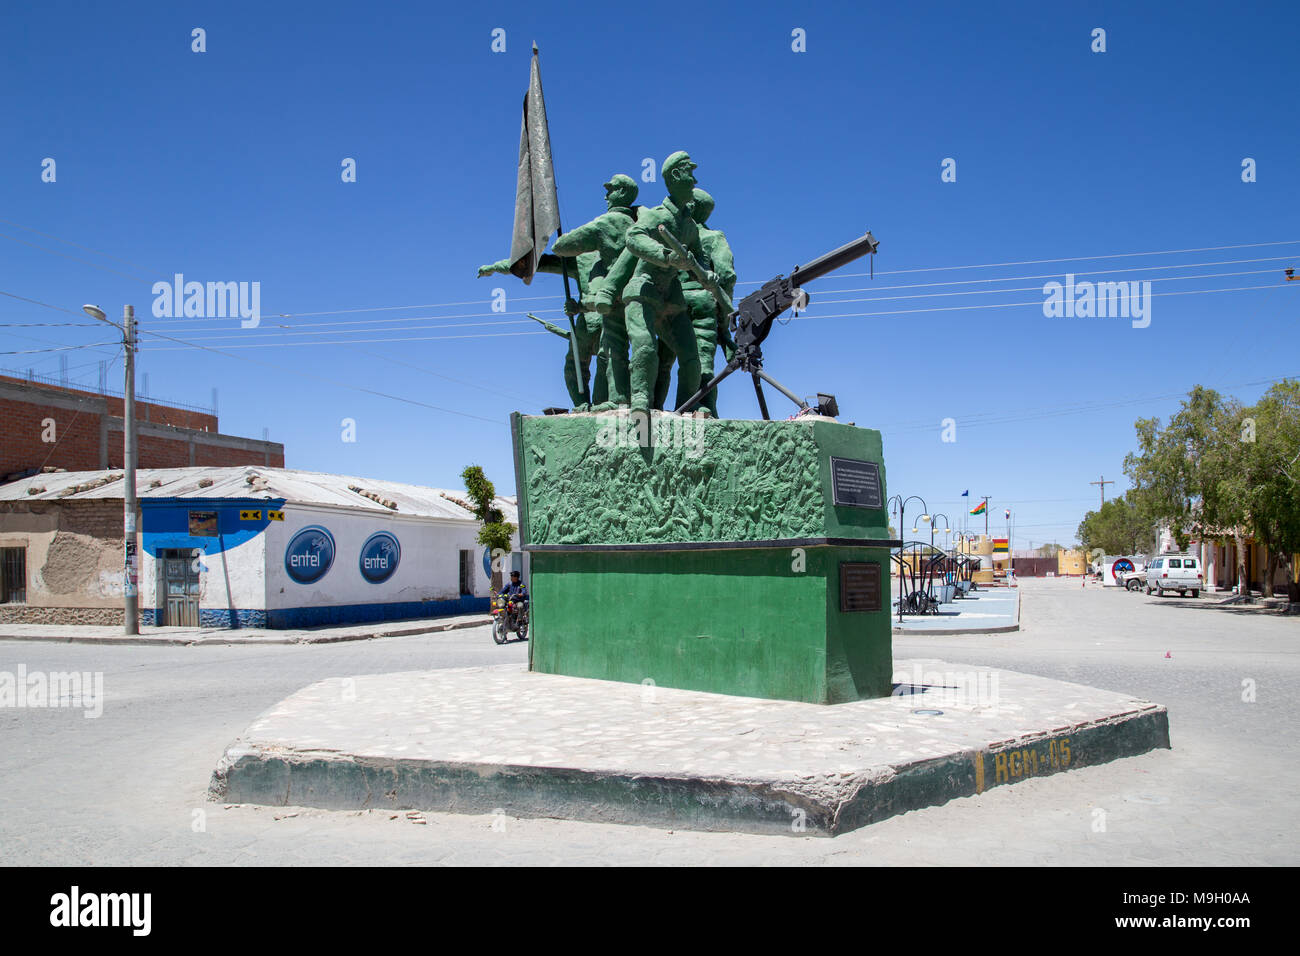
pixel 1175 572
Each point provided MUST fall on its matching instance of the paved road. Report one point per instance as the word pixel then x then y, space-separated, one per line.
pixel 128 787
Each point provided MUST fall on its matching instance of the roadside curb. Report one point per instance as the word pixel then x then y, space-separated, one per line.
pixel 957 631
pixel 145 640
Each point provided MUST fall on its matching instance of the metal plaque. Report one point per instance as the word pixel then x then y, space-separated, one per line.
pixel 860 586
pixel 855 483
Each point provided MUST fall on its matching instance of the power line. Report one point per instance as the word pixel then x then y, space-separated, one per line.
pixel 467 315
pixel 186 344
pixel 988 265
pixel 415 338
pixel 55 252
pixel 207 327
pixel 995 418
pixel 398 308
pixel 1007 305
pixel 944 295
pixel 1035 262
pixel 127 262
pixel 57 308
pixel 317 378
pixel 1057 275
pixel 61 348
pixel 804 316
pixel 459 381
pixel 354 341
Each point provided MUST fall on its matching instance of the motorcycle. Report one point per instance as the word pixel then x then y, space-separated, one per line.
pixel 509 614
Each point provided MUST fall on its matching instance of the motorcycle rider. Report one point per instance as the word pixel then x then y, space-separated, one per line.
pixel 514 587
pixel 515 590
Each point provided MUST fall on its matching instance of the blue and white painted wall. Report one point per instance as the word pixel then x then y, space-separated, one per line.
pixel 331 566
pixel 225 540
pixel 271 563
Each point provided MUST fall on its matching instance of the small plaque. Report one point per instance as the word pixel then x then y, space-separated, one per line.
pixel 203 524
pixel 855 483
pixel 860 586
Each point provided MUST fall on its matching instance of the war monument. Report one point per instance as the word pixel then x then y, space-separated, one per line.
pixel 711 636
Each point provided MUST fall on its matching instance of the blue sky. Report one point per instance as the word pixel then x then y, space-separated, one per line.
pixel 225 166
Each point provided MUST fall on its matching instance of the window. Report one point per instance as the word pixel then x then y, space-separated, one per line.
pixel 1175 562
pixel 13 575
pixel 467 572
pixel 1190 563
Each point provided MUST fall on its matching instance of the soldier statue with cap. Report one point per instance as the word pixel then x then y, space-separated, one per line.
pixel 707 317
pixel 596 246
pixel 653 306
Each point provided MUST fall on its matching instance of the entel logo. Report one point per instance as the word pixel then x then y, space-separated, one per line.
pixel 309 555
pixel 380 556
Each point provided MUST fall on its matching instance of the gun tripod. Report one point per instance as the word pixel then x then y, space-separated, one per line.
pixel 759 377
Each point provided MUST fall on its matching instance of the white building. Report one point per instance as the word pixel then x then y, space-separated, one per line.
pixel 246 546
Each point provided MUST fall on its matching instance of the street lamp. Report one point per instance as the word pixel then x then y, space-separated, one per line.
pixel 947 525
pixel 947 529
pixel 899 503
pixel 130 581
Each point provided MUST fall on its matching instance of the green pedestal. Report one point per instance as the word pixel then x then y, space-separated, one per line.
pixel 737 557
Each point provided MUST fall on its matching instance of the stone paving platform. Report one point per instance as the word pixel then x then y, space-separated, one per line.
pixel 106 634
pixel 478 740
pixel 986 611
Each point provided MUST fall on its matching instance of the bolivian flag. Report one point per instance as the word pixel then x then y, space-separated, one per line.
pixel 980 508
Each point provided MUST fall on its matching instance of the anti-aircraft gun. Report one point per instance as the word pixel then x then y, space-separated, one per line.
pixel 751 321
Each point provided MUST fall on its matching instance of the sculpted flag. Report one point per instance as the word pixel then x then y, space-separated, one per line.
pixel 537 209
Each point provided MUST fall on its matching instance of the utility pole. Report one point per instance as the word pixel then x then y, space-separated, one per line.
pixel 1103 484
pixel 130 579
pixel 1011 554
pixel 130 589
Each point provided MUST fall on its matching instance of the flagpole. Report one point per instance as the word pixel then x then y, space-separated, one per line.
pixel 573 329
pixel 564 270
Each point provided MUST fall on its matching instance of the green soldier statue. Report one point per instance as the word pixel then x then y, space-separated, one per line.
pixel 596 246
pixel 653 305
pixel 706 316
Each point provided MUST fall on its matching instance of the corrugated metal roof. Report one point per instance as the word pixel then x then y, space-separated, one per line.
pixel 253 481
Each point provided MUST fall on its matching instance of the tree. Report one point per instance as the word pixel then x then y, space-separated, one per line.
pixel 1118 527
pixel 1272 493
pixel 1220 469
pixel 1189 474
pixel 496 531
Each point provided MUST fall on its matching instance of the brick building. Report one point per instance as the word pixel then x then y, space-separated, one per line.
pixel 47 425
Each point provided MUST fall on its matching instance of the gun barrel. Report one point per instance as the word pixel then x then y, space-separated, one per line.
pixel 864 245
pixel 697 270
pixel 549 326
